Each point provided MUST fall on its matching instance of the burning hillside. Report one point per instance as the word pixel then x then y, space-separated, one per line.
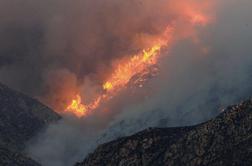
pixel 79 55
pixel 113 68
pixel 123 72
pixel 187 16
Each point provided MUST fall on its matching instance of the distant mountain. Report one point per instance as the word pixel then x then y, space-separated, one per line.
pixel 21 118
pixel 223 141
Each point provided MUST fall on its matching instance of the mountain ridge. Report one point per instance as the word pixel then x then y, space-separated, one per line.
pixel 224 140
pixel 21 119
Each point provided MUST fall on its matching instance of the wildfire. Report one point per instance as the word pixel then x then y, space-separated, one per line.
pixel 77 107
pixel 126 69
pixel 123 73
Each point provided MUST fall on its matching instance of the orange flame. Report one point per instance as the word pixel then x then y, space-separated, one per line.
pixel 77 107
pixel 126 69
pixel 123 73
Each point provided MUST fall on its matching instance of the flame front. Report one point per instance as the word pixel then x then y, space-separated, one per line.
pixel 77 107
pixel 125 69
pixel 123 73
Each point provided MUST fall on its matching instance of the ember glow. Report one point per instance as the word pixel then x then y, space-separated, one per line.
pixel 123 73
pixel 137 64
pixel 124 69
pixel 77 107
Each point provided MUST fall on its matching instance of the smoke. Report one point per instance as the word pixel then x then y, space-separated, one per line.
pixel 206 76
pixel 45 41
pixel 53 49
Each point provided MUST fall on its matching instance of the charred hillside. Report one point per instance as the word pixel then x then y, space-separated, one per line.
pixel 225 140
pixel 21 118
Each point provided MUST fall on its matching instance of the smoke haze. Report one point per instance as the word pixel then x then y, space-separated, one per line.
pixel 53 49
pixel 50 49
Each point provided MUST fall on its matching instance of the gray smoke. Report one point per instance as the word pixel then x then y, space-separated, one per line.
pixel 48 49
pixel 201 82
pixel 45 44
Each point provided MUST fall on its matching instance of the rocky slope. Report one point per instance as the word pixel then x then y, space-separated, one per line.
pixel 225 140
pixel 21 118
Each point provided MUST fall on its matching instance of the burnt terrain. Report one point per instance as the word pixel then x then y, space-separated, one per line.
pixel 21 118
pixel 225 140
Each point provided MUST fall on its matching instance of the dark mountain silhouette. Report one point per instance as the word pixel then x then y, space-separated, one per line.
pixel 223 141
pixel 14 158
pixel 21 118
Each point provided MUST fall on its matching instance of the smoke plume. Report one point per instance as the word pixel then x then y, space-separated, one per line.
pixel 51 49
pixel 55 49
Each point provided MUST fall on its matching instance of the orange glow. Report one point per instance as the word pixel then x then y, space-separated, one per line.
pixel 108 86
pixel 134 65
pixel 76 107
pixel 197 15
pixel 199 19
pixel 123 73
pixel 124 70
